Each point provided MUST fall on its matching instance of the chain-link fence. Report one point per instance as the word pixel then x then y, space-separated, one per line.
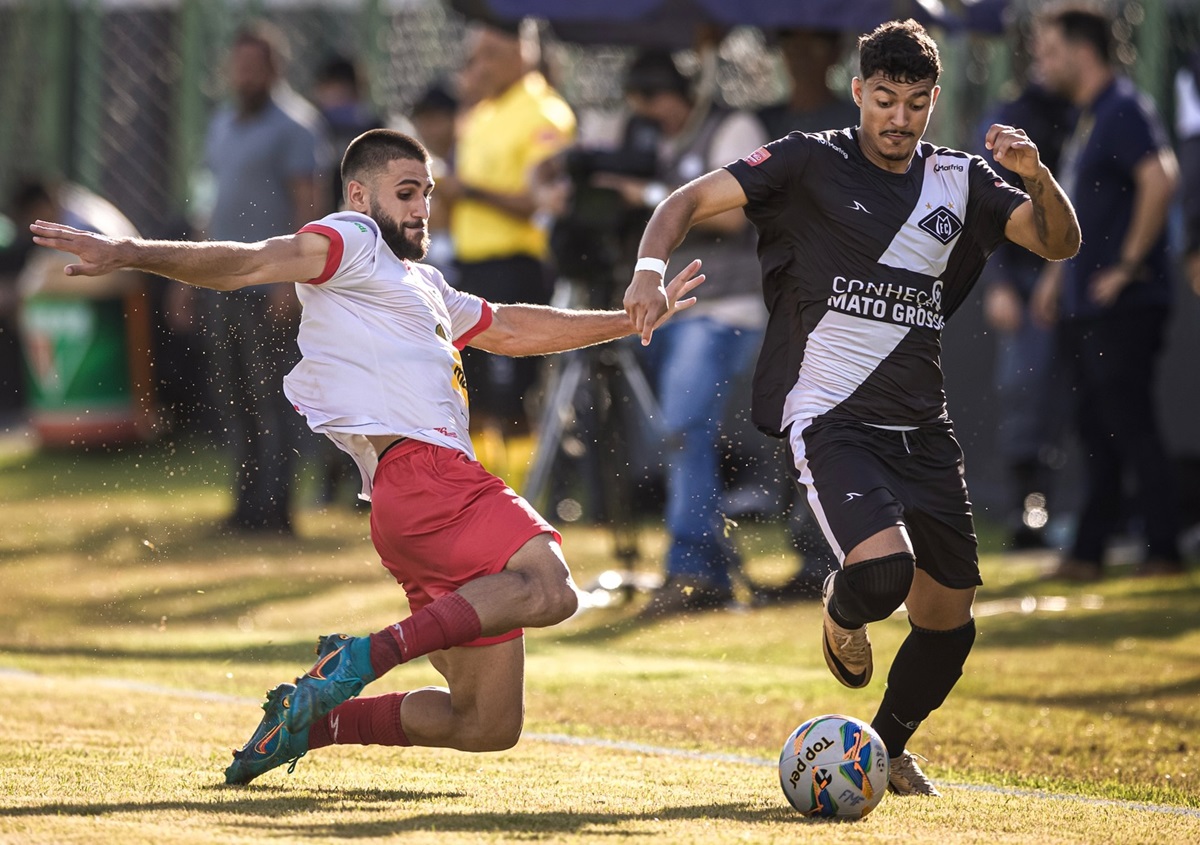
pixel 116 94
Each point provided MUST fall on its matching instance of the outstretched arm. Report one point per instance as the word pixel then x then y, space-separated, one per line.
pixel 219 265
pixel 1046 224
pixel 646 299
pixel 540 330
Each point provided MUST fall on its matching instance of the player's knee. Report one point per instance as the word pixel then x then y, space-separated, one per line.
pixel 566 601
pixel 495 734
pixel 549 598
pixel 872 590
pixel 556 601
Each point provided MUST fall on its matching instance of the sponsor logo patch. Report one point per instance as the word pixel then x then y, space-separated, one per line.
pixel 758 157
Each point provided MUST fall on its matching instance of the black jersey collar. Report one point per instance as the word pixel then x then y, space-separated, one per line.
pixel 857 152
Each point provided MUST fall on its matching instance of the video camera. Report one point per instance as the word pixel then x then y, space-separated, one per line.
pixel 589 239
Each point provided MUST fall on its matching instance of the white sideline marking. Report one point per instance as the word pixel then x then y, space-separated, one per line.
pixel 634 747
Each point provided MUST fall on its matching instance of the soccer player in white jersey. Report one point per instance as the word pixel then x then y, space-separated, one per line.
pixel 869 238
pixel 381 375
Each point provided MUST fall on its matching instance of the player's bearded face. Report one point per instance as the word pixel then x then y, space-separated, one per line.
pixel 409 241
pixel 894 115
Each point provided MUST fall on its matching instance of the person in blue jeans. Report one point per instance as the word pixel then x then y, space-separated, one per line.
pixel 704 355
pixel 713 354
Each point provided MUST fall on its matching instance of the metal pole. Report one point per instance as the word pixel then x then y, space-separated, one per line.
pixel 187 145
pixel 89 153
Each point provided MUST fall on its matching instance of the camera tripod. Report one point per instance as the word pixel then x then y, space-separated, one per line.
pixel 595 392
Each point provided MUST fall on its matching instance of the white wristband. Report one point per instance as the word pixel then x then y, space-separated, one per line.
pixel 654 265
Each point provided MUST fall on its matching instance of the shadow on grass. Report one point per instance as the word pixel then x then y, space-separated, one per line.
pixel 533 825
pixel 225 578
pixel 600 625
pixel 188 543
pixel 1158 615
pixel 259 809
pixel 1130 700
pixel 253 800
pixel 299 651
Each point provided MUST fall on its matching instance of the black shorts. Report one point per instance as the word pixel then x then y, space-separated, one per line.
pixel 861 480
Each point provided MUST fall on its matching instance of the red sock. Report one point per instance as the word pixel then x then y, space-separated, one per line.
pixel 361 721
pixel 444 623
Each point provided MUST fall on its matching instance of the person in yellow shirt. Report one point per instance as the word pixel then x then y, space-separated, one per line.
pixel 517 122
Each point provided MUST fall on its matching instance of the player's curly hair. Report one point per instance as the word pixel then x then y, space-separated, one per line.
pixel 901 50
pixel 372 150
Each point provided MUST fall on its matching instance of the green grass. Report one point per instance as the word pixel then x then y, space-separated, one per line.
pixel 134 644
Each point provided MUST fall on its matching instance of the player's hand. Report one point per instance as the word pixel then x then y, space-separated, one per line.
pixel 1012 148
pixel 650 303
pixel 685 282
pixel 98 255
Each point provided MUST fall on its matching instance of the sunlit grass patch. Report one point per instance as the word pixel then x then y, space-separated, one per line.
pixel 135 641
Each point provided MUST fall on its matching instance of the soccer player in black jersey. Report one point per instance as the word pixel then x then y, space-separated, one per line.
pixel 869 239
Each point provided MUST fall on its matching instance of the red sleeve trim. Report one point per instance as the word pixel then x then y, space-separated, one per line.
pixel 485 320
pixel 333 259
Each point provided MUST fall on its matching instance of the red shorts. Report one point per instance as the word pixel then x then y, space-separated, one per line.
pixel 439 520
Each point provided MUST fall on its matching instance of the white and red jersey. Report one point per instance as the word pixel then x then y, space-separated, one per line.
pixel 380 339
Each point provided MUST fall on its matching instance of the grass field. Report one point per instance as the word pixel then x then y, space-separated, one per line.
pixel 135 646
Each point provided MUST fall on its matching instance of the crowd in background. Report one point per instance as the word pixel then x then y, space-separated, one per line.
pixel 507 198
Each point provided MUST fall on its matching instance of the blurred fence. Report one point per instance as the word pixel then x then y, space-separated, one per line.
pixel 115 94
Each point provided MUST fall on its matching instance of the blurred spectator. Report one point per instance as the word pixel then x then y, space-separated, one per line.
pixel 435 121
pixel 811 106
pixel 1032 413
pixel 341 100
pixel 30 200
pixel 517 122
pixel 697 361
pixel 434 116
pixel 1112 300
pixel 340 97
pixel 267 152
pixel 1187 125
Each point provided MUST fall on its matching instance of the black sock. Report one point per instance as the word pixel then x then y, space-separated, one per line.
pixel 926 668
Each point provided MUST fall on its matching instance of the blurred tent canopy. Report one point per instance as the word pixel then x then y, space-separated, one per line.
pixel 678 24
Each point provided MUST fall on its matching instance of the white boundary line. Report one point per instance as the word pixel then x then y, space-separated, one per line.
pixel 633 747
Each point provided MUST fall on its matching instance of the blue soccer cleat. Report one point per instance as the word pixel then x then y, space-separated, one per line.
pixel 342 669
pixel 272 744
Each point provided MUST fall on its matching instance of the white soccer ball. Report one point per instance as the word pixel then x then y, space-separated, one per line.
pixel 834 766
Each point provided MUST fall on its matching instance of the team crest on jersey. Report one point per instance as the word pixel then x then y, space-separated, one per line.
pixel 758 157
pixel 942 223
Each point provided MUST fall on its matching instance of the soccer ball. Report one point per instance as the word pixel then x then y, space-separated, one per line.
pixel 834 766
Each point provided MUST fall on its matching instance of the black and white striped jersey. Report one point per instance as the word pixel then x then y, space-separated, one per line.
pixel 861 267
